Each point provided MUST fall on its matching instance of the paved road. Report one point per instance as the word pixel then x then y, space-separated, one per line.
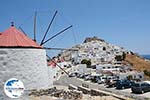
pixel 65 81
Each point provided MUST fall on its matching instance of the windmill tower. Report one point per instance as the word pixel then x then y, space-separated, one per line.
pixel 22 58
pixel 25 59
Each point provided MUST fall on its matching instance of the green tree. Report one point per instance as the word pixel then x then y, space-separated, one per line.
pixel 123 56
pixel 118 58
pixel 87 62
pixel 130 77
pixel 147 73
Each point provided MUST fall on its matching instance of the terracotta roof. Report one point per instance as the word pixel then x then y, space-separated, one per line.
pixel 51 64
pixel 12 37
pixel 54 62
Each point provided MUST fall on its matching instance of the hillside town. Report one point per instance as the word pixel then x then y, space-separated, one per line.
pixel 96 61
pixel 102 56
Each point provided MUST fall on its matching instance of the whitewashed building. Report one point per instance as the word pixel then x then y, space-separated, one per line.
pixel 135 75
pixel 107 67
pixel 24 59
pixel 98 52
pixel 80 68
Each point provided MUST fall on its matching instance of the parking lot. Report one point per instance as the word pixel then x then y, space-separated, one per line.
pixel 114 90
pixel 65 80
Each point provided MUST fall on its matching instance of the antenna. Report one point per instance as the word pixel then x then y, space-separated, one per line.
pixel 56 34
pixel 48 28
pixel 35 26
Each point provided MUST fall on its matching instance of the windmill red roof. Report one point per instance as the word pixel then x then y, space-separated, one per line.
pixel 12 37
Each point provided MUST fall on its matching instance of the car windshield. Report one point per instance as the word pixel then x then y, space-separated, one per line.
pixel 136 85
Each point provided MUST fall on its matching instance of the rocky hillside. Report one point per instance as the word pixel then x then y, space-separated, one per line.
pixel 138 62
pixel 89 39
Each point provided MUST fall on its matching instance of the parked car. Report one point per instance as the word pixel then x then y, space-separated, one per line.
pixel 85 75
pixel 122 84
pixel 111 83
pixel 88 77
pixel 73 74
pixel 82 75
pixel 99 81
pixel 79 75
pixel 140 87
pixel 103 79
pixel 95 79
pixel 111 77
pixel 68 66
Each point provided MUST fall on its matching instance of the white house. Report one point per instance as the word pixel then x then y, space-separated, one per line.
pixel 107 67
pixel 81 68
pixel 134 74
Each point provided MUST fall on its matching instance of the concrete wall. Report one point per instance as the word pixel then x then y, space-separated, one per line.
pixel 27 65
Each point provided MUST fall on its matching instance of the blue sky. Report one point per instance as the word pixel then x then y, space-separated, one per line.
pixel 122 22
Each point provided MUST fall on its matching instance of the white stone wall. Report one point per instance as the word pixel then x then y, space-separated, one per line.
pixel 27 65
